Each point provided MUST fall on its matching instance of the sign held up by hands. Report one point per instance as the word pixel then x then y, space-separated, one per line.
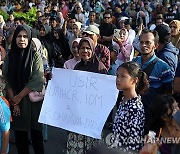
pixel 79 101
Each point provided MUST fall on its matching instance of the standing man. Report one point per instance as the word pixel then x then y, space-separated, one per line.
pixel 92 18
pixel 166 50
pixel 106 30
pixel 158 71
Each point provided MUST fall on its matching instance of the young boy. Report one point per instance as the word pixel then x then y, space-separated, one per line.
pixel 5 116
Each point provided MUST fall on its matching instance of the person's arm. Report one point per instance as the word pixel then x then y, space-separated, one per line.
pixel 9 89
pixel 64 27
pixel 5 142
pixel 136 43
pixel 167 79
pixel 10 94
pixel 16 99
pixel 126 52
pixel 176 84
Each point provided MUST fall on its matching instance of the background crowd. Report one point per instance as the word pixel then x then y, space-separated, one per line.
pixel 137 40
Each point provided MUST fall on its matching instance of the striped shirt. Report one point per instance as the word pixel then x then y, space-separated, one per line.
pixel 160 75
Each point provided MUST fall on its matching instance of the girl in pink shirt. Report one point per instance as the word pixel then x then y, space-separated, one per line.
pixel 74 49
pixel 125 49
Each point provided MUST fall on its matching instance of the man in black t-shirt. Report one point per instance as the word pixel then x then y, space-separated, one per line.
pixel 106 30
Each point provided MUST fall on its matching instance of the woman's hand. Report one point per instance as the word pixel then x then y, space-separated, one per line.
pixel 118 41
pixel 141 27
pixel 16 100
pixel 150 148
pixel 16 110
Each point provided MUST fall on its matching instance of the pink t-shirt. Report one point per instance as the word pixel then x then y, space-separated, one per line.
pixel 70 64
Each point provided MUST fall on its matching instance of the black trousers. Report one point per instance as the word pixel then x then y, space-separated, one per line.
pixel 22 141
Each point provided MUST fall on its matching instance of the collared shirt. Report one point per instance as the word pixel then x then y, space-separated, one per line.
pixel 161 73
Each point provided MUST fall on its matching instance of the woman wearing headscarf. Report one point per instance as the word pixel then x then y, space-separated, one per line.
pixel 2 22
pixel 175 33
pixel 89 61
pixel 125 49
pixel 23 71
pixel 76 32
pixel 37 46
pixel 46 40
pixel 60 44
pixel 78 143
pixel 74 49
pixel 79 15
pixel 43 52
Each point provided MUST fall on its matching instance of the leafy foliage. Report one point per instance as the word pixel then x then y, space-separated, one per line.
pixel 29 16
pixel 5 15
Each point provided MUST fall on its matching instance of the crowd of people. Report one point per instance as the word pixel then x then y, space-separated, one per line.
pixel 137 41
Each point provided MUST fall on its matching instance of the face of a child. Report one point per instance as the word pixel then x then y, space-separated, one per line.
pixel 75 49
pixel 123 80
pixel 122 35
pixel 75 29
pixel 56 35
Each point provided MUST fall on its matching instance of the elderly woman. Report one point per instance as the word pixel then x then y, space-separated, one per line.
pixel 23 71
pixel 175 33
pixel 78 143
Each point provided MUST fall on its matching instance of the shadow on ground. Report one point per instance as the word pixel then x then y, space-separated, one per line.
pixel 56 143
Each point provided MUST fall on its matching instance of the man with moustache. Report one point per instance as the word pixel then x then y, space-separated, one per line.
pixel 158 71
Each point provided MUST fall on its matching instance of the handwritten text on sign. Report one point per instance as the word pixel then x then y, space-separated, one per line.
pixel 79 101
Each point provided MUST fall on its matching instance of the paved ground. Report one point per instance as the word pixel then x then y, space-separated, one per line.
pixel 55 144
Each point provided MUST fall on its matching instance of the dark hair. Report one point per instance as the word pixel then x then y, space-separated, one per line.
pixel 38 11
pixel 22 19
pixel 107 12
pixel 159 13
pixel 158 110
pixel 165 39
pixel 158 19
pixel 16 19
pixel 134 70
pixel 52 18
pixel 92 12
pixel 155 33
